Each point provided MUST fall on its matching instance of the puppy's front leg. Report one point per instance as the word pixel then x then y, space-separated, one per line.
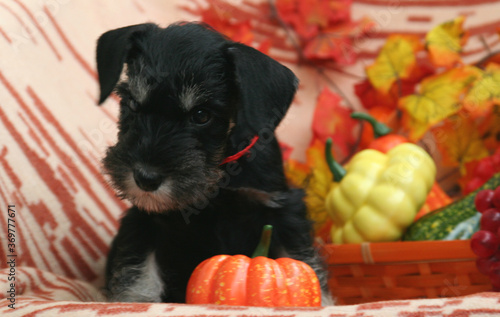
pixel 132 273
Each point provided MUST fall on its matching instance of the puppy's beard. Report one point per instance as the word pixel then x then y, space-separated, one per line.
pixel 155 201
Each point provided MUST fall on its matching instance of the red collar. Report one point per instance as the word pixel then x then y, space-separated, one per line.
pixel 237 156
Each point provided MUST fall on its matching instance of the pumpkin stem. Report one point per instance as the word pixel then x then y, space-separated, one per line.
pixel 262 248
pixel 379 129
pixel 337 170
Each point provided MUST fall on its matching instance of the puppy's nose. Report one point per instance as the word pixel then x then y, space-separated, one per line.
pixel 147 180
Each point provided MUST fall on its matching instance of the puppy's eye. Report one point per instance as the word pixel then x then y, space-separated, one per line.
pixel 201 116
pixel 133 105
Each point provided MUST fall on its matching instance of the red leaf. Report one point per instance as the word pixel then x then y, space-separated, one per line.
pixel 331 120
pixel 371 97
pixel 340 11
pixel 308 18
pixel 335 42
pixel 221 19
pixel 327 46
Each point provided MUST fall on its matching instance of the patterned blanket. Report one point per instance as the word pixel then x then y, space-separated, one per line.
pixel 46 294
pixel 58 213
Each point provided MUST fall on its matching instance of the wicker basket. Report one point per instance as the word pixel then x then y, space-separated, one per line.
pixel 368 272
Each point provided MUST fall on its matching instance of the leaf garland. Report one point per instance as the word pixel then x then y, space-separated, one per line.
pixel 422 84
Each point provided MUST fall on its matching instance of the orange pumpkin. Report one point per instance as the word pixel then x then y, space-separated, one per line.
pixel 257 281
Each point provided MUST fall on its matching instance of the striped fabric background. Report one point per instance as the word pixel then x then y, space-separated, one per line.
pixel 52 134
pixel 47 294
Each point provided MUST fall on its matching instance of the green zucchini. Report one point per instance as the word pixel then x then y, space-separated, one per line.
pixel 465 229
pixel 437 224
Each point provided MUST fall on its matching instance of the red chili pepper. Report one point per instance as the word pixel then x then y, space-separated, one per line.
pixel 383 140
pixel 379 114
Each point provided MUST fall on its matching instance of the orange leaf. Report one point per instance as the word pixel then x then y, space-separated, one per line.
pixel 444 43
pixel 331 120
pixel 305 17
pixel 339 10
pixel 315 158
pixel 459 142
pixel 308 17
pixel 296 172
pixel 315 178
pixel 319 183
pixel 221 19
pixel 327 46
pixel 438 97
pixel 490 128
pixel 395 61
pixel 335 42
pixel 314 12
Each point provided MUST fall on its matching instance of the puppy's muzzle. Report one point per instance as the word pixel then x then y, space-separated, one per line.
pixel 147 180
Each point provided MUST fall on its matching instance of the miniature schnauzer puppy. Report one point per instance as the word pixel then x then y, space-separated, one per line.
pixel 190 99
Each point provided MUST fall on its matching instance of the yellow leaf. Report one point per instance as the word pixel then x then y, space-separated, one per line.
pixel 444 43
pixel 438 97
pixel 315 178
pixel 459 141
pixel 485 92
pixel 296 172
pixel 395 61
pixel 319 183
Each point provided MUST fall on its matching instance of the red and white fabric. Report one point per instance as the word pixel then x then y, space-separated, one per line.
pixel 52 136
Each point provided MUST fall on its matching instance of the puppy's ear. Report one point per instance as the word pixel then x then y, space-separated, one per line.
pixel 113 48
pixel 266 88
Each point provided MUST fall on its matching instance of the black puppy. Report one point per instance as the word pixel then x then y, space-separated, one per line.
pixel 191 99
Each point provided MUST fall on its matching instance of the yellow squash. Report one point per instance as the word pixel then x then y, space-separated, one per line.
pixel 378 195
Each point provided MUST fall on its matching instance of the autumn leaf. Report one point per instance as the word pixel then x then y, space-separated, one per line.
pixel 315 178
pixel 485 92
pixel 444 43
pixel 308 17
pixel 395 61
pixel 324 28
pixel 305 17
pixel 459 142
pixel 371 97
pixel 340 10
pixel 439 97
pixel 219 17
pixel 319 184
pixel 328 46
pixel 331 120
pixel 336 42
pixel 296 172
pixel 490 128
